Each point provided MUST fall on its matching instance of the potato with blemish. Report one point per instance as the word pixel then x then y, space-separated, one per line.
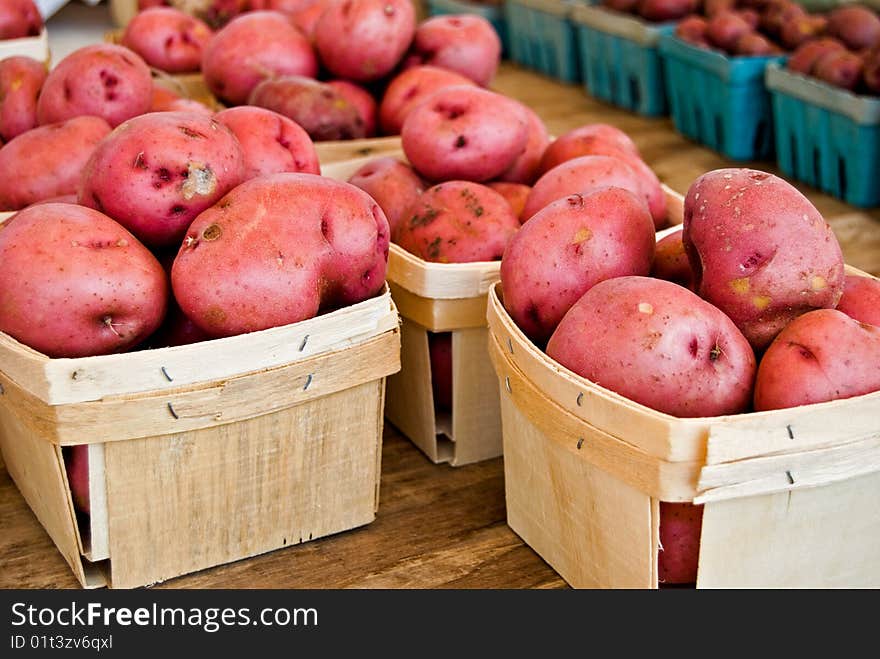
pixel 21 79
pixel 464 43
pixel 363 102
pixel 279 249
pixel 393 184
pixel 458 222
pixel 253 47
pixel 465 133
pixel 820 356
pixel 411 87
pixel 322 110
pixel 364 40
pixel 582 176
pixel 74 283
pixel 47 161
pixel 103 80
pixel 168 39
pixel 155 173
pixel 567 248
pixel 759 251
pixel 525 168
pixel 271 143
pixel 657 344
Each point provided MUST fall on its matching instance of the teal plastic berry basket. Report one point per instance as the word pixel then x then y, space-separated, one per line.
pixel 620 59
pixel 493 13
pixel 826 137
pixel 717 100
pixel 543 38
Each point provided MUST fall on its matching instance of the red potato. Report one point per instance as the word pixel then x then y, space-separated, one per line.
pixel 215 13
pixel 19 19
pixel 464 43
pixel 305 20
pixel 861 299
pixel 671 261
pixel 411 87
pixel 20 81
pixel 656 198
pixel 440 350
pixel 288 7
pixel 457 222
pixel 713 7
pixel 581 141
pixel 76 464
pixel 47 161
pixel 693 30
pixel 257 46
pixel 286 246
pixel 820 356
pixel 681 525
pixel 657 344
pixel 164 100
pixel 168 39
pixel 465 133
pixel 364 40
pixel 104 80
pixel 147 4
pixel 724 29
pixel 778 14
pixel 177 329
pixel 569 247
pixel 74 283
pixel 514 193
pixel 157 172
pixel 871 70
pixel 362 100
pixel 839 68
pixel 856 26
pixel 393 184
pixel 754 44
pixel 583 175
pixel 805 57
pixel 271 143
pixel 759 250
pixel 800 30
pixel 322 111
pixel 627 6
pixel 750 16
pixel 525 168
pixel 665 10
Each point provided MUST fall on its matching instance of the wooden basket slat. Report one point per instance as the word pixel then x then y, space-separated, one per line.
pixel 93 378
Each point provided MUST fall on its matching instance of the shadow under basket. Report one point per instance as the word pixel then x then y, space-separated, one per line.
pixel 790 496
pixel 718 100
pixel 195 460
pixel 826 137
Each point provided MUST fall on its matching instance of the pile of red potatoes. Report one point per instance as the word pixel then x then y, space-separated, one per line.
pixel 333 67
pixel 140 226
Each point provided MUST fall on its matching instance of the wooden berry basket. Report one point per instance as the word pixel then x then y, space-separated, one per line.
pixel 444 297
pixel 790 495
pixel 35 47
pixel 206 453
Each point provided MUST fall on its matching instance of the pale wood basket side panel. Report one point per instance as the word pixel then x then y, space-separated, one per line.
pixel 476 412
pixel 825 537
pixel 222 494
pixel 440 315
pixel 409 401
pixel 594 530
pixel 34 47
pixel 37 468
pixel 93 378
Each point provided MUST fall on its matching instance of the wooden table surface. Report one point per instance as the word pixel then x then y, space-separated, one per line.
pixel 437 526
